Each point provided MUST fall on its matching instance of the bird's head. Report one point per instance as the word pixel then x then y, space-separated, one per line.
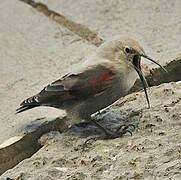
pixel 128 53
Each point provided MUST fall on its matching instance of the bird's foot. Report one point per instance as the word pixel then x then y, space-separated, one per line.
pixel 120 131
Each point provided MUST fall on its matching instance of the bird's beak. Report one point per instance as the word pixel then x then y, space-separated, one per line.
pixel 137 66
pixel 149 58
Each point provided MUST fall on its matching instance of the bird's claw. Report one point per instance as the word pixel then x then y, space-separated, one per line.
pixel 124 129
pixel 108 135
pixel 87 141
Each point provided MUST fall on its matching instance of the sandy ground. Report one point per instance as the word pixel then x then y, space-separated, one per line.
pixel 152 152
pixel 36 51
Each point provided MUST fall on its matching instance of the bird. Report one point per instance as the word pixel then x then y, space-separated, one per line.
pixel 103 78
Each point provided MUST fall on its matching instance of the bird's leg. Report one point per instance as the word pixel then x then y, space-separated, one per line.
pixel 92 120
pixel 120 131
pixel 101 127
pixel 124 129
pixel 109 135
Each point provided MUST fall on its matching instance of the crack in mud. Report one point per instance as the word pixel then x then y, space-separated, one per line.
pixel 157 76
pixel 76 28
pixel 26 144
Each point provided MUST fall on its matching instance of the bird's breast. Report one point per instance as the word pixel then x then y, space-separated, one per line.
pixel 126 81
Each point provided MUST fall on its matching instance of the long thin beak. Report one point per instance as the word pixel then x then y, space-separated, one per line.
pixel 144 82
pixel 149 58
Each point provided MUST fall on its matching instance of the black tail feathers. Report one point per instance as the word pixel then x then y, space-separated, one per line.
pixel 28 104
pixel 24 108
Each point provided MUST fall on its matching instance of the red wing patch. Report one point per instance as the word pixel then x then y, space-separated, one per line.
pixel 102 79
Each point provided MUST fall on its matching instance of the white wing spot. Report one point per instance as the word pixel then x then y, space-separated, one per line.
pixel 36 99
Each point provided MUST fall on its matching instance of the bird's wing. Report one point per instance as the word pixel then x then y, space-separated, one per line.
pixel 91 81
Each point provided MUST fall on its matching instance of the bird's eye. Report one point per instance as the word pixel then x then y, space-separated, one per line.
pixel 127 50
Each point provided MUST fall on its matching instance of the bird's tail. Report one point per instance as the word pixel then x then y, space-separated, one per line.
pixel 28 104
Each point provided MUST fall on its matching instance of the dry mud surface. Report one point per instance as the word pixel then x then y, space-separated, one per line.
pixel 152 152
